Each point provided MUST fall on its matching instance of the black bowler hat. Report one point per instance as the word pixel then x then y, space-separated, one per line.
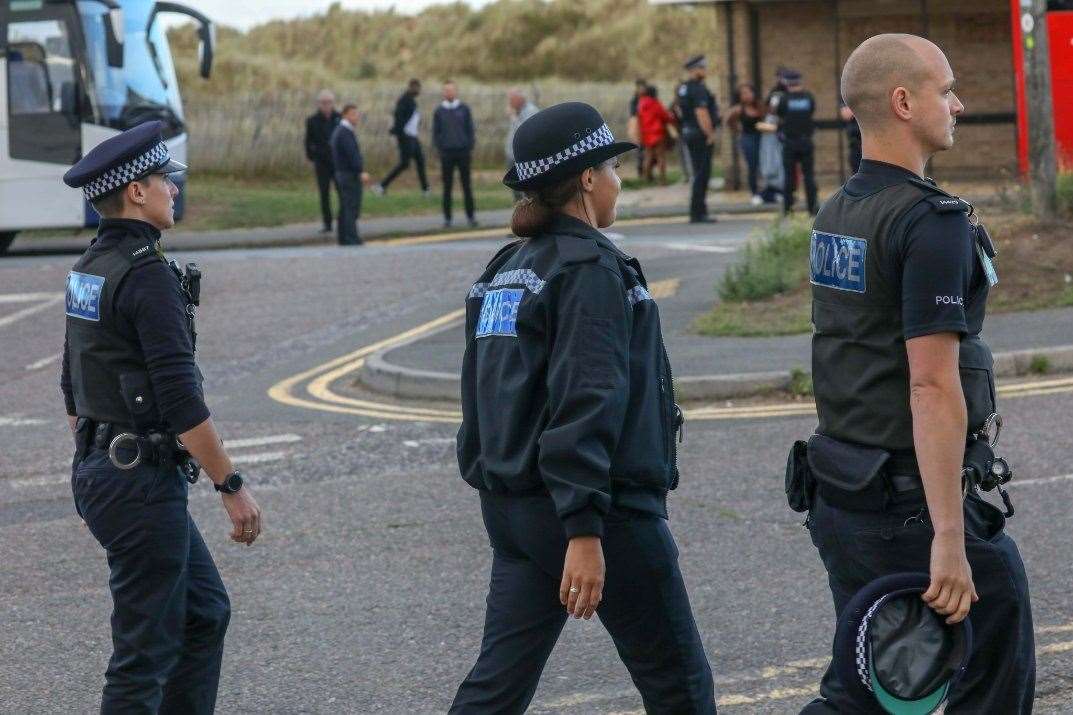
pixel 696 61
pixel 560 141
pixel 121 159
pixel 893 650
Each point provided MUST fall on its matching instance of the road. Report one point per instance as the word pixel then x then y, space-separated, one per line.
pixel 366 592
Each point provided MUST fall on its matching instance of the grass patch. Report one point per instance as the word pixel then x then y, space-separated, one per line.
pixel 800 383
pixel 216 202
pixel 634 183
pixel 1064 190
pixel 1039 365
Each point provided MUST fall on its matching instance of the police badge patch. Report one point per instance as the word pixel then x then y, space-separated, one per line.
pixel 838 262
pixel 84 295
pixel 499 313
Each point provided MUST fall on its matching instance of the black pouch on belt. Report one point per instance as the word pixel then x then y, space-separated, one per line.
pixel 800 486
pixel 847 475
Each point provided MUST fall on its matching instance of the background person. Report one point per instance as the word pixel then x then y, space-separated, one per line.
pixel 742 119
pixel 700 117
pixel 795 109
pixel 654 121
pixel 319 128
pixel 518 109
pixel 406 126
pixel 350 175
pixel 454 135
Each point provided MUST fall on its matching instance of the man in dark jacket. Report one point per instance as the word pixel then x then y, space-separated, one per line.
pixel 454 137
pixel 319 127
pixel 349 175
pixel 406 128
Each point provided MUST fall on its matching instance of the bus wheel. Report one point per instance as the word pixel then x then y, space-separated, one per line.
pixel 6 237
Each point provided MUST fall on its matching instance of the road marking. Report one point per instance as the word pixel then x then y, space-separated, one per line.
pixel 20 422
pixel 1066 628
pixel 26 312
pixel 261 441
pixel 1056 648
pixel 701 247
pixel 1042 480
pixel 260 458
pixel 41 481
pixel 665 289
pixel 26 297
pixel 432 440
pixel 37 365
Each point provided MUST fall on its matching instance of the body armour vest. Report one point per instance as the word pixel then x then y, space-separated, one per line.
pixel 108 374
pixel 860 367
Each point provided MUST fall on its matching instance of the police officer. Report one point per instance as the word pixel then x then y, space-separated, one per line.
pixel 904 384
pixel 700 121
pixel 568 433
pixel 142 433
pixel 794 109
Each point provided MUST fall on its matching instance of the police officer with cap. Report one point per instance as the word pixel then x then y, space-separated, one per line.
pixel 904 384
pixel 794 109
pixel 700 121
pixel 143 433
pixel 568 433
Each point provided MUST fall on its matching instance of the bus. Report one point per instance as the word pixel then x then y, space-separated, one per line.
pixel 72 74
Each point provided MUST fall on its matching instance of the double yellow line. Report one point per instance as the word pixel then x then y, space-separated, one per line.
pixel 312 389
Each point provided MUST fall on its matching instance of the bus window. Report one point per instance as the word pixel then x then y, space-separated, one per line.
pixel 43 93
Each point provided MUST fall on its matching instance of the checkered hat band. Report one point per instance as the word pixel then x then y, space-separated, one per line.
pixel 123 174
pixel 529 169
pixel 861 648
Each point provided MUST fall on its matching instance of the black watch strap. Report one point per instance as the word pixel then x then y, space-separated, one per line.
pixel 231 483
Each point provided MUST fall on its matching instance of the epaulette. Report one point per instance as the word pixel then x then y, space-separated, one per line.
pixel 941 201
pixel 510 247
pixel 574 249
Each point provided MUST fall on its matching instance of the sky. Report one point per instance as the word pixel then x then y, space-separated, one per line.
pixel 243 14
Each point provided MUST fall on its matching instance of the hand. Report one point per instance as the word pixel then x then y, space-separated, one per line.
pixel 245 515
pixel 710 139
pixel 365 178
pixel 582 587
pixel 951 591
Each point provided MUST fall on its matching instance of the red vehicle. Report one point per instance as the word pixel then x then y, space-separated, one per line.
pixel 1060 38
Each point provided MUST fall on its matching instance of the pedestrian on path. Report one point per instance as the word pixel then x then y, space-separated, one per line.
pixel 406 126
pixel 568 433
pixel 454 135
pixel 350 175
pixel 134 400
pixel 905 387
pixel 518 109
pixel 319 128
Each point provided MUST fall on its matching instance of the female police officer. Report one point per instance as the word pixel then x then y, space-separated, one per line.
pixel 568 433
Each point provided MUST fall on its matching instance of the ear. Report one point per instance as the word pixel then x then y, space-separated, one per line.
pixel 901 103
pixel 588 180
pixel 136 193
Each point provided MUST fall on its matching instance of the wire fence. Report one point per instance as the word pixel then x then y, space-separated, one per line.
pixel 262 133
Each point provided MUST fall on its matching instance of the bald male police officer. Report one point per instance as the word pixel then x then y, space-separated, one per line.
pixel 700 119
pixel 142 433
pixel 905 387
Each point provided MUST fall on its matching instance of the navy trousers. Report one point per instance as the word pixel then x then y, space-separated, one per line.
pixel 858 547
pixel 700 156
pixel 645 609
pixel 799 152
pixel 170 609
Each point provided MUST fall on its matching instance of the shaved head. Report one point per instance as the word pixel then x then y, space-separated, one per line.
pixel 880 65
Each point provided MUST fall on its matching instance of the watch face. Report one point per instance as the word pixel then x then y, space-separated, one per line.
pixel 234 482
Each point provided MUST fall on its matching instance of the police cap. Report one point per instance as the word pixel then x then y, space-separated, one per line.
pixel 791 76
pixel 124 158
pixel 696 61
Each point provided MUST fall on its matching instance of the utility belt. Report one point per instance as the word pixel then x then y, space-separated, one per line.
pixel 857 478
pixel 154 447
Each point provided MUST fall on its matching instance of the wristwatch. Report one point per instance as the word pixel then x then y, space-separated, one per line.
pixel 230 485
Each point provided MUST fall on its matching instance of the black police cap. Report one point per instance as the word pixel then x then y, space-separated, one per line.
pixel 121 159
pixel 560 141
pixel 696 61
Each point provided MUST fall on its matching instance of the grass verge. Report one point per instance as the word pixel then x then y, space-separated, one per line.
pixel 767 293
pixel 221 202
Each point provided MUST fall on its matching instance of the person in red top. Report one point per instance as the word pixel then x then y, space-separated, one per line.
pixel 654 119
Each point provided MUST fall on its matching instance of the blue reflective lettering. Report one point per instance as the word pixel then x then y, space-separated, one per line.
pixel 838 261
pixel 499 313
pixel 84 295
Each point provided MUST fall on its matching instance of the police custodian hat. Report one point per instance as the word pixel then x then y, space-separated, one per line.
pixel 696 61
pixel 560 141
pixel 893 650
pixel 124 158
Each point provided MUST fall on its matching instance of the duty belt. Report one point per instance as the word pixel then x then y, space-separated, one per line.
pixel 154 447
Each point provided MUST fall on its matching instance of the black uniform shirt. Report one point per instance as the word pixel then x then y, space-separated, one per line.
pixel 933 257
pixel 694 95
pixel 150 308
pixel 795 110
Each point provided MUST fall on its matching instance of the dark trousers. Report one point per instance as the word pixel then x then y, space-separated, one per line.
pixel 645 609
pixel 859 547
pixel 350 193
pixel 409 150
pixel 170 609
pixel 449 161
pixel 700 156
pixel 750 151
pixel 799 152
pixel 325 174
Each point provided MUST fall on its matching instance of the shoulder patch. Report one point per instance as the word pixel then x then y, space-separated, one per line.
pixel 577 250
pixel 946 204
pixel 499 313
pixel 838 262
pixel 84 295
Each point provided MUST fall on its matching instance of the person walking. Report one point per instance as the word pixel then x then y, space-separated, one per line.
pixel 319 128
pixel 518 109
pixel 454 136
pixel 406 127
pixel 654 121
pixel 742 119
pixel 350 175
pixel 568 434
